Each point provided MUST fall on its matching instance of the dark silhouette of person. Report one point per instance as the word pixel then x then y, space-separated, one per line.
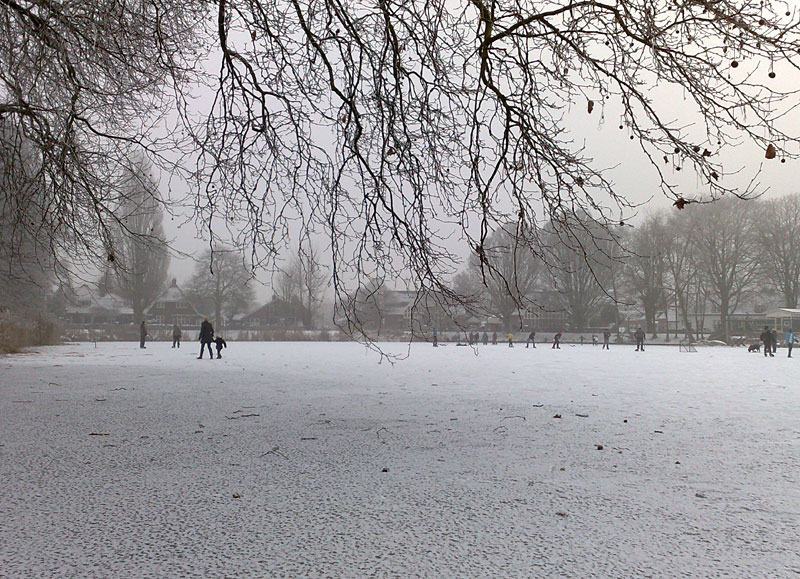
pixel 557 341
pixel 176 336
pixel 485 339
pixel 220 344
pixel 639 335
pixel 766 338
pixel 435 339
pixel 494 338
pixel 774 341
pixel 531 339
pixel 142 335
pixel 606 338
pixel 206 337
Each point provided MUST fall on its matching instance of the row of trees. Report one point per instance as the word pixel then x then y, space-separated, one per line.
pixel 718 254
pixel 384 125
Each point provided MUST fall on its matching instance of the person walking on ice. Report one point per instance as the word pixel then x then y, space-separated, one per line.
pixel 510 340
pixel 639 335
pixel 435 339
pixel 220 344
pixel 557 340
pixel 206 337
pixel 766 338
pixel 606 338
pixel 790 341
pixel 142 335
pixel 594 339
pixel 176 336
pixel 531 339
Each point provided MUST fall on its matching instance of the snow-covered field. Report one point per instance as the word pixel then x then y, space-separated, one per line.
pixel 314 460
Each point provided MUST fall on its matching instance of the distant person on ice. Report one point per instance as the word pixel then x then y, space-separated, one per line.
pixel 220 344
pixel 639 335
pixel 557 341
pixel 774 341
pixel 531 339
pixel 766 338
pixel 510 340
pixel 206 337
pixel 435 339
pixel 494 338
pixel 581 339
pixel 485 339
pixel 594 339
pixel 176 336
pixel 142 335
pixel 606 338
pixel 790 341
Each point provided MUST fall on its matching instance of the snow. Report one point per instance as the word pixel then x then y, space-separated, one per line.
pixel 316 460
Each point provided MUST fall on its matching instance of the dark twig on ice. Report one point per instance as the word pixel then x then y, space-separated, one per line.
pixel 275 451
pixel 241 416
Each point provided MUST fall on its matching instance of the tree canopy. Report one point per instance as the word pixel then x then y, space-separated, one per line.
pixel 392 128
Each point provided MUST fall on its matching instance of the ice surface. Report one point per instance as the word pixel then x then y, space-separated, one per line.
pixel 314 460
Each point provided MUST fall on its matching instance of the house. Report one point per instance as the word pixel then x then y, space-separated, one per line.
pixel 173 307
pixel 783 319
pixel 276 313
pixel 88 306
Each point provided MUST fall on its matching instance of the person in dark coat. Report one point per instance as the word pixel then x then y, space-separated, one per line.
pixel 142 335
pixel 557 341
pixel 206 337
pixel 639 335
pixel 774 341
pixel 485 339
pixel 766 338
pixel 606 338
pixel 176 336
pixel 220 344
pixel 494 338
pixel 531 339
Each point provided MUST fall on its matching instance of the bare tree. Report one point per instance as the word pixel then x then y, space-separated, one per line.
pixel 580 257
pixel 88 84
pixel 391 126
pixel 396 122
pixel 506 274
pixel 222 283
pixel 644 268
pixel 725 254
pixel 139 253
pixel 681 273
pixel 777 230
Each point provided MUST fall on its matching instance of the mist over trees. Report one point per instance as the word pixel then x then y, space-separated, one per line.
pixel 221 286
pixel 392 129
pixel 715 258
pixel 139 255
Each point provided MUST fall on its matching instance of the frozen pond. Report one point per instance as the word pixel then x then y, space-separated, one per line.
pixel 314 460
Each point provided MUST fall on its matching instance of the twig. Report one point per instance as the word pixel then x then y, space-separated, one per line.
pixel 275 451
pixel 241 416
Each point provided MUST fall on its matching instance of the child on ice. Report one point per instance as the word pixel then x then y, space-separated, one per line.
pixel 220 344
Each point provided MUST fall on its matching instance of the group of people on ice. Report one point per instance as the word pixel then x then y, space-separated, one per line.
pixel 475 338
pixel 206 338
pixel 769 339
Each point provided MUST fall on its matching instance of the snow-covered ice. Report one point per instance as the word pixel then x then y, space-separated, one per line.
pixel 314 460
